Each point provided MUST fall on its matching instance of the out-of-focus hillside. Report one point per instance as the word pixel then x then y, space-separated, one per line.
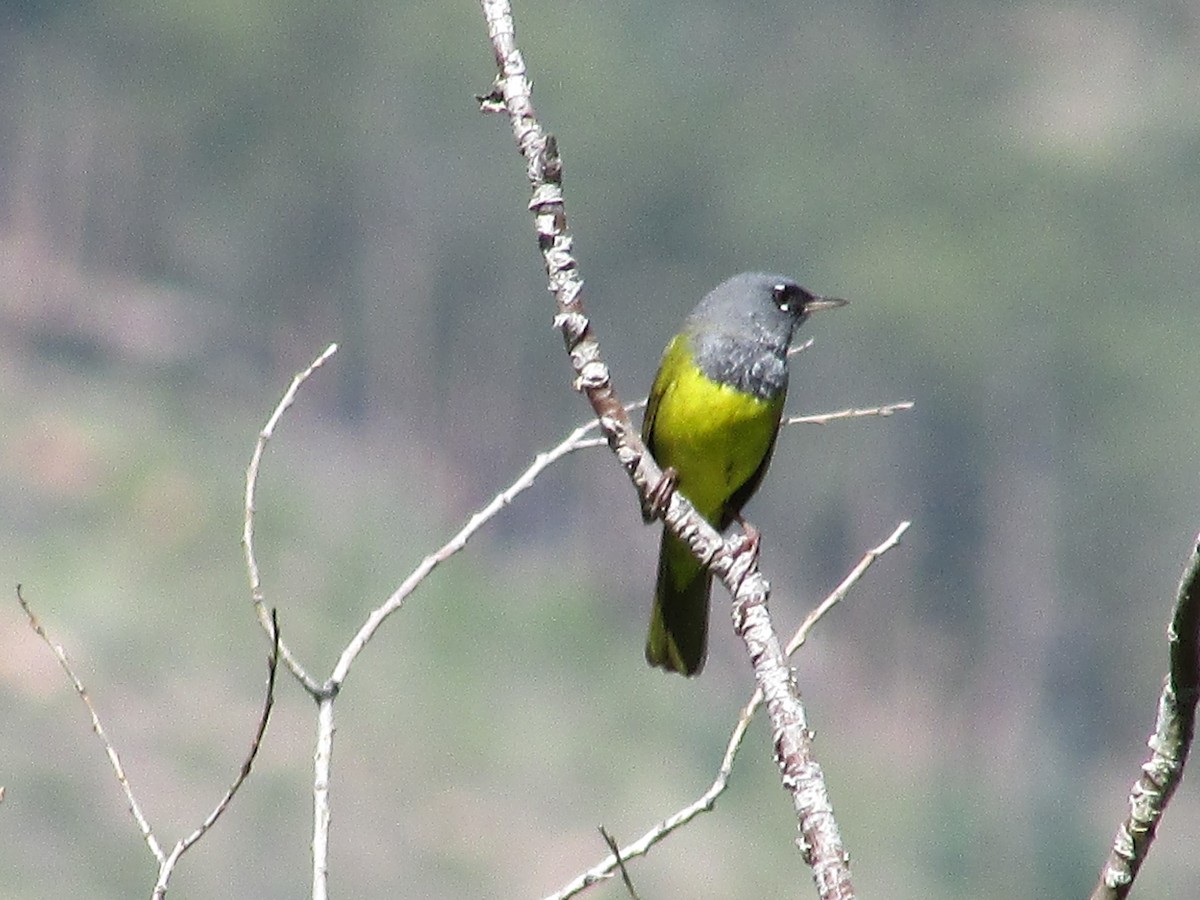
pixel 195 199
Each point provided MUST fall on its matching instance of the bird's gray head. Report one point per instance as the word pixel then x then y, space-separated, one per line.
pixel 741 330
pixel 758 307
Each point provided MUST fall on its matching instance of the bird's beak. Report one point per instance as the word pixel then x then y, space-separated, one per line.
pixel 817 303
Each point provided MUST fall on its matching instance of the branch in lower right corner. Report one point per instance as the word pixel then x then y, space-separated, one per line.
pixel 1169 745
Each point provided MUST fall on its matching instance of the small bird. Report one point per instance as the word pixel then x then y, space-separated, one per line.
pixel 711 422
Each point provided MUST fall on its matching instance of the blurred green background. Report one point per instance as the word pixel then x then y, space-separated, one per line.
pixel 195 198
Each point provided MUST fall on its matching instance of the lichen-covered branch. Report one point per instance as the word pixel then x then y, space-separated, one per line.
pixel 734 562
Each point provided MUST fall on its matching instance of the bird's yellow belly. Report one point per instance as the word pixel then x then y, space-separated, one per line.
pixel 714 436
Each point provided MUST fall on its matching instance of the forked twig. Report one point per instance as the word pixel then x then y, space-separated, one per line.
pixel 166 862
pixel 826 418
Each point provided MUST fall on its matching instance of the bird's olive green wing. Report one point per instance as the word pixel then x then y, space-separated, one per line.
pixel 667 370
pixel 746 490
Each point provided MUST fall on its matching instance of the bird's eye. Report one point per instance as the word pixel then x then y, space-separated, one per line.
pixel 785 295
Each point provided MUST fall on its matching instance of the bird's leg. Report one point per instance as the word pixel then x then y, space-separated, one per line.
pixel 751 537
pixel 659 495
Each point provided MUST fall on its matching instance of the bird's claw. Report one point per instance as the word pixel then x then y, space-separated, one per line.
pixel 751 538
pixel 659 495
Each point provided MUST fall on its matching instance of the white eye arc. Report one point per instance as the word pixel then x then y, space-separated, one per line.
pixel 785 295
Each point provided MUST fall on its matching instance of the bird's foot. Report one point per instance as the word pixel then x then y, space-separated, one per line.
pixel 751 537
pixel 659 495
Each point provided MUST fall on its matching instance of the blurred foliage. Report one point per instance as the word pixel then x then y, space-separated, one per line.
pixel 195 198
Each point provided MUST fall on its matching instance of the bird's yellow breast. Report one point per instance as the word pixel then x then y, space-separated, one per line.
pixel 713 435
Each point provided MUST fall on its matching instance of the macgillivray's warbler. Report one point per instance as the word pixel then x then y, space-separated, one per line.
pixel 713 415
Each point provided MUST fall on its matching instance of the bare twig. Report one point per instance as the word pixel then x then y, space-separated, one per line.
pixel 113 759
pixel 323 693
pixel 616 850
pixel 1169 745
pixel 265 616
pixel 826 418
pixel 167 866
pixel 839 593
pixel 706 801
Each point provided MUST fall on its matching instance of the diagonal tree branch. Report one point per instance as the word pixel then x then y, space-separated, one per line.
pixel 576 440
pixel 323 756
pixel 1169 745
pixel 734 563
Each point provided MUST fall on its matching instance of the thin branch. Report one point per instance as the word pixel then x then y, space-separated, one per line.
pixel 826 418
pixel 168 865
pixel 839 593
pixel 113 758
pixel 265 616
pixel 1169 745
pixel 576 440
pixel 706 801
pixel 735 562
pixel 322 769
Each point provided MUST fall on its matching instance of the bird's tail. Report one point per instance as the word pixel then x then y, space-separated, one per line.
pixel 678 638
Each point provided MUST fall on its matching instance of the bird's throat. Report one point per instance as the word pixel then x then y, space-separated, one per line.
pixel 748 366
